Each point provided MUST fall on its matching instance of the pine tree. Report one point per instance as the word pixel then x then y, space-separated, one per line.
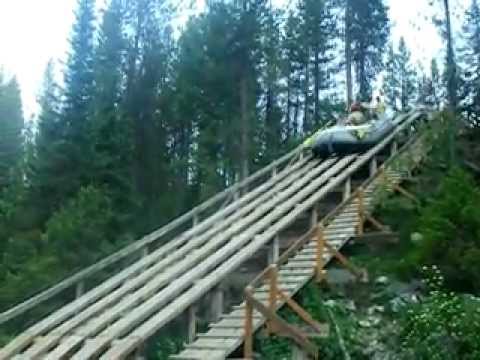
pixel 149 53
pixel 79 75
pixel 423 87
pixel 451 68
pixel 436 93
pixel 111 130
pixel 470 62
pixel 270 74
pixel 11 127
pixel 46 166
pixel 391 82
pixel 77 104
pixel 292 71
pixel 406 75
pixel 320 32
pixel 369 31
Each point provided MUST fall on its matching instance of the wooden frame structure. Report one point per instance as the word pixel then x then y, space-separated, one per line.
pixel 321 246
pixel 170 279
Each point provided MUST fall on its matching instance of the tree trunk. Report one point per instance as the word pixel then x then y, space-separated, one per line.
pixel 451 68
pixel 317 87
pixel 306 125
pixel 289 106
pixel 451 83
pixel 244 146
pixel 348 54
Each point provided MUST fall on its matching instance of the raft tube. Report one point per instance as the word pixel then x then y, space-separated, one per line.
pixel 344 140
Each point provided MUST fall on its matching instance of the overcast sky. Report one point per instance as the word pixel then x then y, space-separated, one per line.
pixel 34 31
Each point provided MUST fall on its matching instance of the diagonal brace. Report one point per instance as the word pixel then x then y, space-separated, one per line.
pixel 361 274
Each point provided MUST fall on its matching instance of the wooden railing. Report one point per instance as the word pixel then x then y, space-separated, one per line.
pixel 143 246
pixel 269 275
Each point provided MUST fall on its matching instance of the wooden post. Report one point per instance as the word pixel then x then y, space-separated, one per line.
pixel 361 211
pixel 145 251
pixel 298 353
pixel 314 217
pixel 394 147
pixel 192 323
pixel 274 172
pixel 248 328
pixel 273 294
pixel 319 263
pixel 140 353
pixel 347 190
pixel 274 250
pixel 195 218
pixel 217 303
pixel 373 166
pixel 80 289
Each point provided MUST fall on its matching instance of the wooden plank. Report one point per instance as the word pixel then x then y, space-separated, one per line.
pixel 212 344
pixel 40 348
pixel 224 332
pixel 194 354
pixel 216 257
pixel 231 324
pixel 277 213
pixel 138 245
pixel 288 219
pixel 283 271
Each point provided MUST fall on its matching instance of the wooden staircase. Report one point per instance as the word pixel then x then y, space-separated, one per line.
pixel 227 335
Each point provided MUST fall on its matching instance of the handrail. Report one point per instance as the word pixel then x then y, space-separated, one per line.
pixel 285 328
pixel 329 217
pixel 269 312
pixel 142 243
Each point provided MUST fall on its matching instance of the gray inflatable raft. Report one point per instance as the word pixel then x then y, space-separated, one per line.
pixel 343 140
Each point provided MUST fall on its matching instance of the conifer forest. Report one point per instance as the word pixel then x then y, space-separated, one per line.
pixel 158 107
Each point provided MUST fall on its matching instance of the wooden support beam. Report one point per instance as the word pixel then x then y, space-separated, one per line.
pixel 274 250
pixel 320 249
pixel 248 328
pixel 195 219
pixel 217 303
pixel 398 188
pixel 79 289
pixel 347 190
pixel 298 353
pixel 359 273
pixel 314 217
pixel 305 316
pixel 192 323
pixel 373 166
pixel 140 353
pixel 273 294
pixel 406 193
pixel 394 147
pixel 282 328
pixel 378 237
pixel 377 224
pixel 361 210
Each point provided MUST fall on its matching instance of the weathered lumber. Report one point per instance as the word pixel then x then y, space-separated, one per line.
pixel 42 346
pixel 135 269
pixel 183 282
pixel 122 348
pixel 143 242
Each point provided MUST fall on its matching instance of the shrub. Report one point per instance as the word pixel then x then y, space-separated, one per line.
pixel 450 224
pixel 444 325
pixel 82 230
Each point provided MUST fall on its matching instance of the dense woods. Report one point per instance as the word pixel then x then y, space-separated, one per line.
pixel 149 121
